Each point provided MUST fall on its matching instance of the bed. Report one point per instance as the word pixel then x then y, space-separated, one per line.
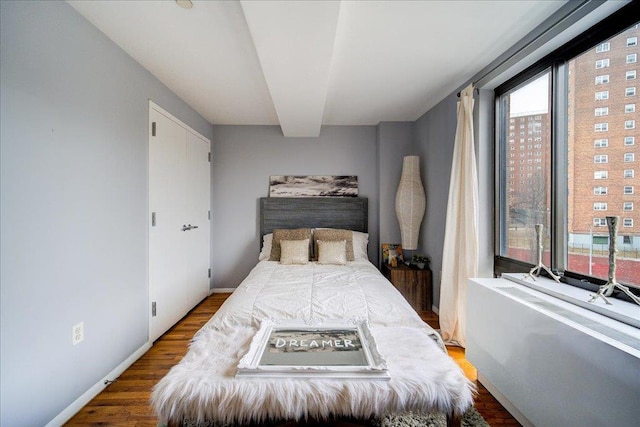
pixel 203 387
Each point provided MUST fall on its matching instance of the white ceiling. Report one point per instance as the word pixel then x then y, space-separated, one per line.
pixel 303 64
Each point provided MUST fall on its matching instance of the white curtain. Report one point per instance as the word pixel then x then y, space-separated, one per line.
pixel 460 251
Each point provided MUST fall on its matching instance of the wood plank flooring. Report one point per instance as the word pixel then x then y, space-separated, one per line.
pixel 126 401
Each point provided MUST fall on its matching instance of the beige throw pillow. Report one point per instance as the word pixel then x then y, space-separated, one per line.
pixel 294 251
pixel 286 234
pixel 332 252
pixel 334 234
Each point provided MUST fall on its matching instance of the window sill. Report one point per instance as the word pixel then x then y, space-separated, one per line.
pixel 619 310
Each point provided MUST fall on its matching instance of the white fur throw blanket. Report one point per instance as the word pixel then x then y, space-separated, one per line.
pixel 203 386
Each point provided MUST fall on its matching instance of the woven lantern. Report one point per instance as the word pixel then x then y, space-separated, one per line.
pixel 410 202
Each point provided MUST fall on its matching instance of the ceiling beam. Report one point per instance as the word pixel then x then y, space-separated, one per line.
pixel 294 42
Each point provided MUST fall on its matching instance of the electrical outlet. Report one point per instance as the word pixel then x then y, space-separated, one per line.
pixel 77 333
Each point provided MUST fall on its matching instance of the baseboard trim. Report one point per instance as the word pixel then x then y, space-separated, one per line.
pixel 221 291
pixel 504 401
pixel 435 310
pixel 82 401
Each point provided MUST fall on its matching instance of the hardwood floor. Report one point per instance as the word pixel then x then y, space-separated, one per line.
pixel 125 402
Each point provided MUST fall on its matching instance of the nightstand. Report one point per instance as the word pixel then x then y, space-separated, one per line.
pixel 413 284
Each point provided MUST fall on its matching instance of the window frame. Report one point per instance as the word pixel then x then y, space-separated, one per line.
pixel 557 62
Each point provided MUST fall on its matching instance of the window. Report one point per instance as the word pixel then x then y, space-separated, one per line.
pixel 562 204
pixel 602 111
pixel 600 143
pixel 627 240
pixel 632 58
pixel 600 191
pixel 632 41
pixel 627 222
pixel 599 222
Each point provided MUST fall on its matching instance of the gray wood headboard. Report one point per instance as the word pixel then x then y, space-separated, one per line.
pixel 349 213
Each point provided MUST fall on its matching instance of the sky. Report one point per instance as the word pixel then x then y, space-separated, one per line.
pixel 531 99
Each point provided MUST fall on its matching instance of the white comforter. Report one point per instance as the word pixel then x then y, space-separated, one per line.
pixel 203 387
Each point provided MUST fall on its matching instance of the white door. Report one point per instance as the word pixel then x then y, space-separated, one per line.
pixel 198 238
pixel 179 183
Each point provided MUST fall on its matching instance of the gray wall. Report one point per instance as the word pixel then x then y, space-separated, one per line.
pixel 395 140
pixel 74 113
pixel 243 159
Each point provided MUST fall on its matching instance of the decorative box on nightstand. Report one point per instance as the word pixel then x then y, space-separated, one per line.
pixel 413 284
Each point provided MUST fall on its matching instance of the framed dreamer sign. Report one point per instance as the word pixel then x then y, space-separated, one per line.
pixel 331 349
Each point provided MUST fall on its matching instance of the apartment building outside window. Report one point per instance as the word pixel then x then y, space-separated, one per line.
pixel 632 41
pixel 584 151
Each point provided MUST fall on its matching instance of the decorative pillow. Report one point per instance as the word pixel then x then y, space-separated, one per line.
pixel 334 234
pixel 332 252
pixel 294 251
pixel 360 243
pixel 265 253
pixel 286 234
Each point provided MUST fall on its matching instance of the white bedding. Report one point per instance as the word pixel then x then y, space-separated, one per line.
pixel 203 387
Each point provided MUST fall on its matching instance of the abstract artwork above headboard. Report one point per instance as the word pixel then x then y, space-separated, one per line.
pixel 349 213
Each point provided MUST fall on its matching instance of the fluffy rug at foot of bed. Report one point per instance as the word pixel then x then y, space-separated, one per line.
pixel 471 418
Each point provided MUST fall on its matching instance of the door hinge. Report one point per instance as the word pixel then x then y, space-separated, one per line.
pixel 153 219
pixel 209 273
pixel 153 309
pixel 209 157
pixel 153 128
pixel 209 215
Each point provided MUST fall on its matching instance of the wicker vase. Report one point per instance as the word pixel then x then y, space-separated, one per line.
pixel 410 202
